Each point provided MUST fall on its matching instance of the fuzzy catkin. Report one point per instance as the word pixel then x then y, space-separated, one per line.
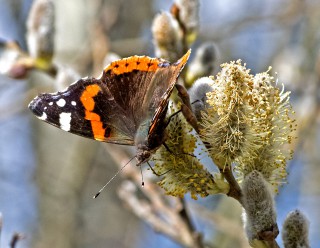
pixel 189 17
pixel 198 95
pixel 41 29
pixel 203 64
pixel 167 36
pixel 183 173
pixel 259 210
pixel 295 230
pixel 248 123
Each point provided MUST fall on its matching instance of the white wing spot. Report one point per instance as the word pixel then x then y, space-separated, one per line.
pixel 45 108
pixel 50 103
pixel 73 103
pixel 43 116
pixel 65 120
pixel 61 102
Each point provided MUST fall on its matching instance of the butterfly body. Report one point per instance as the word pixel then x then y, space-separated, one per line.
pixel 127 105
pixel 148 142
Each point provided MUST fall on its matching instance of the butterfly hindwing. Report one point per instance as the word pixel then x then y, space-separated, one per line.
pixel 161 108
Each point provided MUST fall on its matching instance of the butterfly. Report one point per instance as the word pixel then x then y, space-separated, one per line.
pixel 127 105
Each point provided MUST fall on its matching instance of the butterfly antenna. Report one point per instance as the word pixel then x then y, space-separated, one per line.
pixel 1 223
pixel 142 181
pixel 99 192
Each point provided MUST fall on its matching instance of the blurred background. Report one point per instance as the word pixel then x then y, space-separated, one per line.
pixel 48 177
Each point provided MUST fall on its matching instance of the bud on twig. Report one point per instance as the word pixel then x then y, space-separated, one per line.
pixel 259 210
pixel 167 37
pixel 295 230
pixel 188 16
pixel 198 95
pixel 14 62
pixel 40 32
pixel 203 63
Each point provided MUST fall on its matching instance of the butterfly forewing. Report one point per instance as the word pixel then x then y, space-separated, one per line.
pixel 79 110
pixel 112 108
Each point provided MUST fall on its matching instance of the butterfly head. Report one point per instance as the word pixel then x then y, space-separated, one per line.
pixel 143 154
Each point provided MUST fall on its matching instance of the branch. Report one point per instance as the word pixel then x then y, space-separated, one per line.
pixel 223 224
pixel 164 214
pixel 15 238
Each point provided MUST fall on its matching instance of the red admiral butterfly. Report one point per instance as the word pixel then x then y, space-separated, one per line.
pixel 127 105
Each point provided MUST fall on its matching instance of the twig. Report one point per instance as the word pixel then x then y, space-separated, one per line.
pixel 144 211
pixel 185 216
pixel 15 238
pixel 235 190
pixel 1 224
pixel 174 221
pixel 170 223
pixel 225 225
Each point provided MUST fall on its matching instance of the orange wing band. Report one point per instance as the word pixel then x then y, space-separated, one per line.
pixel 88 103
pixel 133 63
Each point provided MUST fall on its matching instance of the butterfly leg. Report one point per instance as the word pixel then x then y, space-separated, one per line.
pixel 176 154
pixel 171 116
pixel 167 148
pixel 186 107
pixel 175 113
pixel 154 172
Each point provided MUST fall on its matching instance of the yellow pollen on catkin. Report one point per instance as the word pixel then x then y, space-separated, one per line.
pixel 249 123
